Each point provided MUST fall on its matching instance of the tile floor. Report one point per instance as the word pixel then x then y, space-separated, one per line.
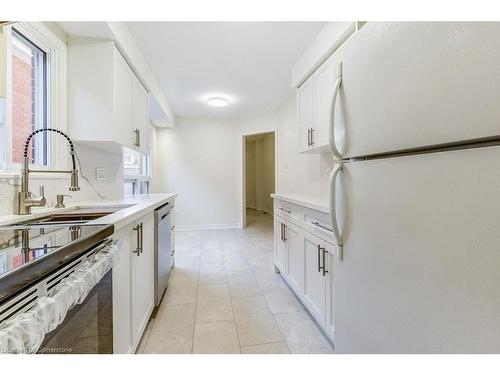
pixel 224 297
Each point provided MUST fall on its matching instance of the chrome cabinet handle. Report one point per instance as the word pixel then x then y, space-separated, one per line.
pixel 333 209
pixel 137 141
pixel 285 210
pixel 282 227
pixel 284 232
pixel 142 236
pixel 137 243
pixel 336 89
pixel 312 141
pixel 321 226
pixel 324 262
pixel 308 137
pixel 319 258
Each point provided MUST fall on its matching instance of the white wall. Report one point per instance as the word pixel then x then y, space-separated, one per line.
pixel 201 160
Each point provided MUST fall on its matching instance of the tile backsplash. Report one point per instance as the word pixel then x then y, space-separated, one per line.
pixel 90 189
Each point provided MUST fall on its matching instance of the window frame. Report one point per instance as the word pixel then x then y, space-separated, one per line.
pixel 55 50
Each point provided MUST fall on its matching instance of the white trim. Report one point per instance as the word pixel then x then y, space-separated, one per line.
pixel 55 49
pixel 185 228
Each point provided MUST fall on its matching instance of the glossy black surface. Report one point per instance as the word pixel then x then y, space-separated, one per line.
pixel 28 253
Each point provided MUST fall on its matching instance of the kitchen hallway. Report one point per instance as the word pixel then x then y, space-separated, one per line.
pixel 225 297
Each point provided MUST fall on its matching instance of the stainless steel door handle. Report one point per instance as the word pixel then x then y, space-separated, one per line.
pixel 333 209
pixel 324 262
pixel 137 140
pixel 285 210
pixel 308 137
pixel 312 140
pixel 142 236
pixel 319 258
pixel 137 243
pixel 333 147
pixel 321 226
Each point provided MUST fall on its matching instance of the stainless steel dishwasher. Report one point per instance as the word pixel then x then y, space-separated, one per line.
pixel 164 253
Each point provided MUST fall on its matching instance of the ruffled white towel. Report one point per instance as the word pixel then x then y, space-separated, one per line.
pixel 24 333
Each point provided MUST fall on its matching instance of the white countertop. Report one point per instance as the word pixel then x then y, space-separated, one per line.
pixel 139 205
pixel 302 200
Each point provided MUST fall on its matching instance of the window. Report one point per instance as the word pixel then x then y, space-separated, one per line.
pixel 29 98
pixel 35 96
pixel 136 172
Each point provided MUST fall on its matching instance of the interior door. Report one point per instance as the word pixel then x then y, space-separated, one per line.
pixel 280 255
pixel 142 278
pixel 420 269
pixel 411 84
pixel 315 282
pixel 295 251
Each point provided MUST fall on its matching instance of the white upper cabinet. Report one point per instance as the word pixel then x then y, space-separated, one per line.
pixel 305 114
pixel 106 101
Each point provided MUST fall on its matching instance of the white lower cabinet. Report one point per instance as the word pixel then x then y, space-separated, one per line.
pixel 142 277
pixel 295 253
pixel 307 264
pixel 315 281
pixel 133 284
pixel 280 256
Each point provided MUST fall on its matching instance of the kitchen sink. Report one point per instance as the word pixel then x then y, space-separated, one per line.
pixel 66 218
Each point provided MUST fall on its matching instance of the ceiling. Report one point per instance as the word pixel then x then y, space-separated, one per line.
pixel 249 62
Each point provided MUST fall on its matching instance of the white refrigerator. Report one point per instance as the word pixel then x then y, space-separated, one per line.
pixel 415 194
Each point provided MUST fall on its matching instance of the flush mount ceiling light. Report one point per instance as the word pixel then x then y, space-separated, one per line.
pixel 217 101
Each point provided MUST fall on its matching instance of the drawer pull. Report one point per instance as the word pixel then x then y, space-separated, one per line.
pixel 321 226
pixel 285 210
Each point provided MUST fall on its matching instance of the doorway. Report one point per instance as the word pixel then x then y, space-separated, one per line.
pixel 259 175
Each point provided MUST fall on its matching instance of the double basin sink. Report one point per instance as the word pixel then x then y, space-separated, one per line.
pixel 76 216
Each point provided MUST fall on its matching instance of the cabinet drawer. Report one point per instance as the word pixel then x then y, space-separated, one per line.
pixel 288 211
pixel 318 223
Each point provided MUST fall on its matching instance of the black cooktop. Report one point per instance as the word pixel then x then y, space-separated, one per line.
pixel 29 253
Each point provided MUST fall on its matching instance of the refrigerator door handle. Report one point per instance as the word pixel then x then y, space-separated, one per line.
pixel 333 147
pixel 333 208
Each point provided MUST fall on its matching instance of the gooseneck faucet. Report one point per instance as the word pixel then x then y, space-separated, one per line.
pixel 25 201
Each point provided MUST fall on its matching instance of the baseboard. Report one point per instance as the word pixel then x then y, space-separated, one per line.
pixel 184 228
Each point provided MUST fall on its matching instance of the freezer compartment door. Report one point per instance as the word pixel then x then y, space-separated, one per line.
pixel 421 265
pixel 415 84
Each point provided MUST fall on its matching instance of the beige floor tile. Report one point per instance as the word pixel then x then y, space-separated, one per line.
pixel 212 274
pixel 271 348
pixel 271 285
pixel 172 331
pixel 181 290
pixel 254 321
pixel 283 301
pixel 301 333
pixel 243 284
pixel 214 304
pixel 188 264
pixel 216 338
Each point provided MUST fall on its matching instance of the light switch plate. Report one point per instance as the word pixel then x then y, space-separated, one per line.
pixel 100 174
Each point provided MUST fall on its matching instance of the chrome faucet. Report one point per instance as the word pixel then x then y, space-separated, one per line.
pixel 25 201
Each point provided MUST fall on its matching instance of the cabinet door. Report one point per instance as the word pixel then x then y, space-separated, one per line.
pixel 140 116
pixel 122 101
pixel 122 335
pixel 315 282
pixel 305 113
pixel 295 251
pixel 323 83
pixel 330 279
pixel 142 277
pixel 280 257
